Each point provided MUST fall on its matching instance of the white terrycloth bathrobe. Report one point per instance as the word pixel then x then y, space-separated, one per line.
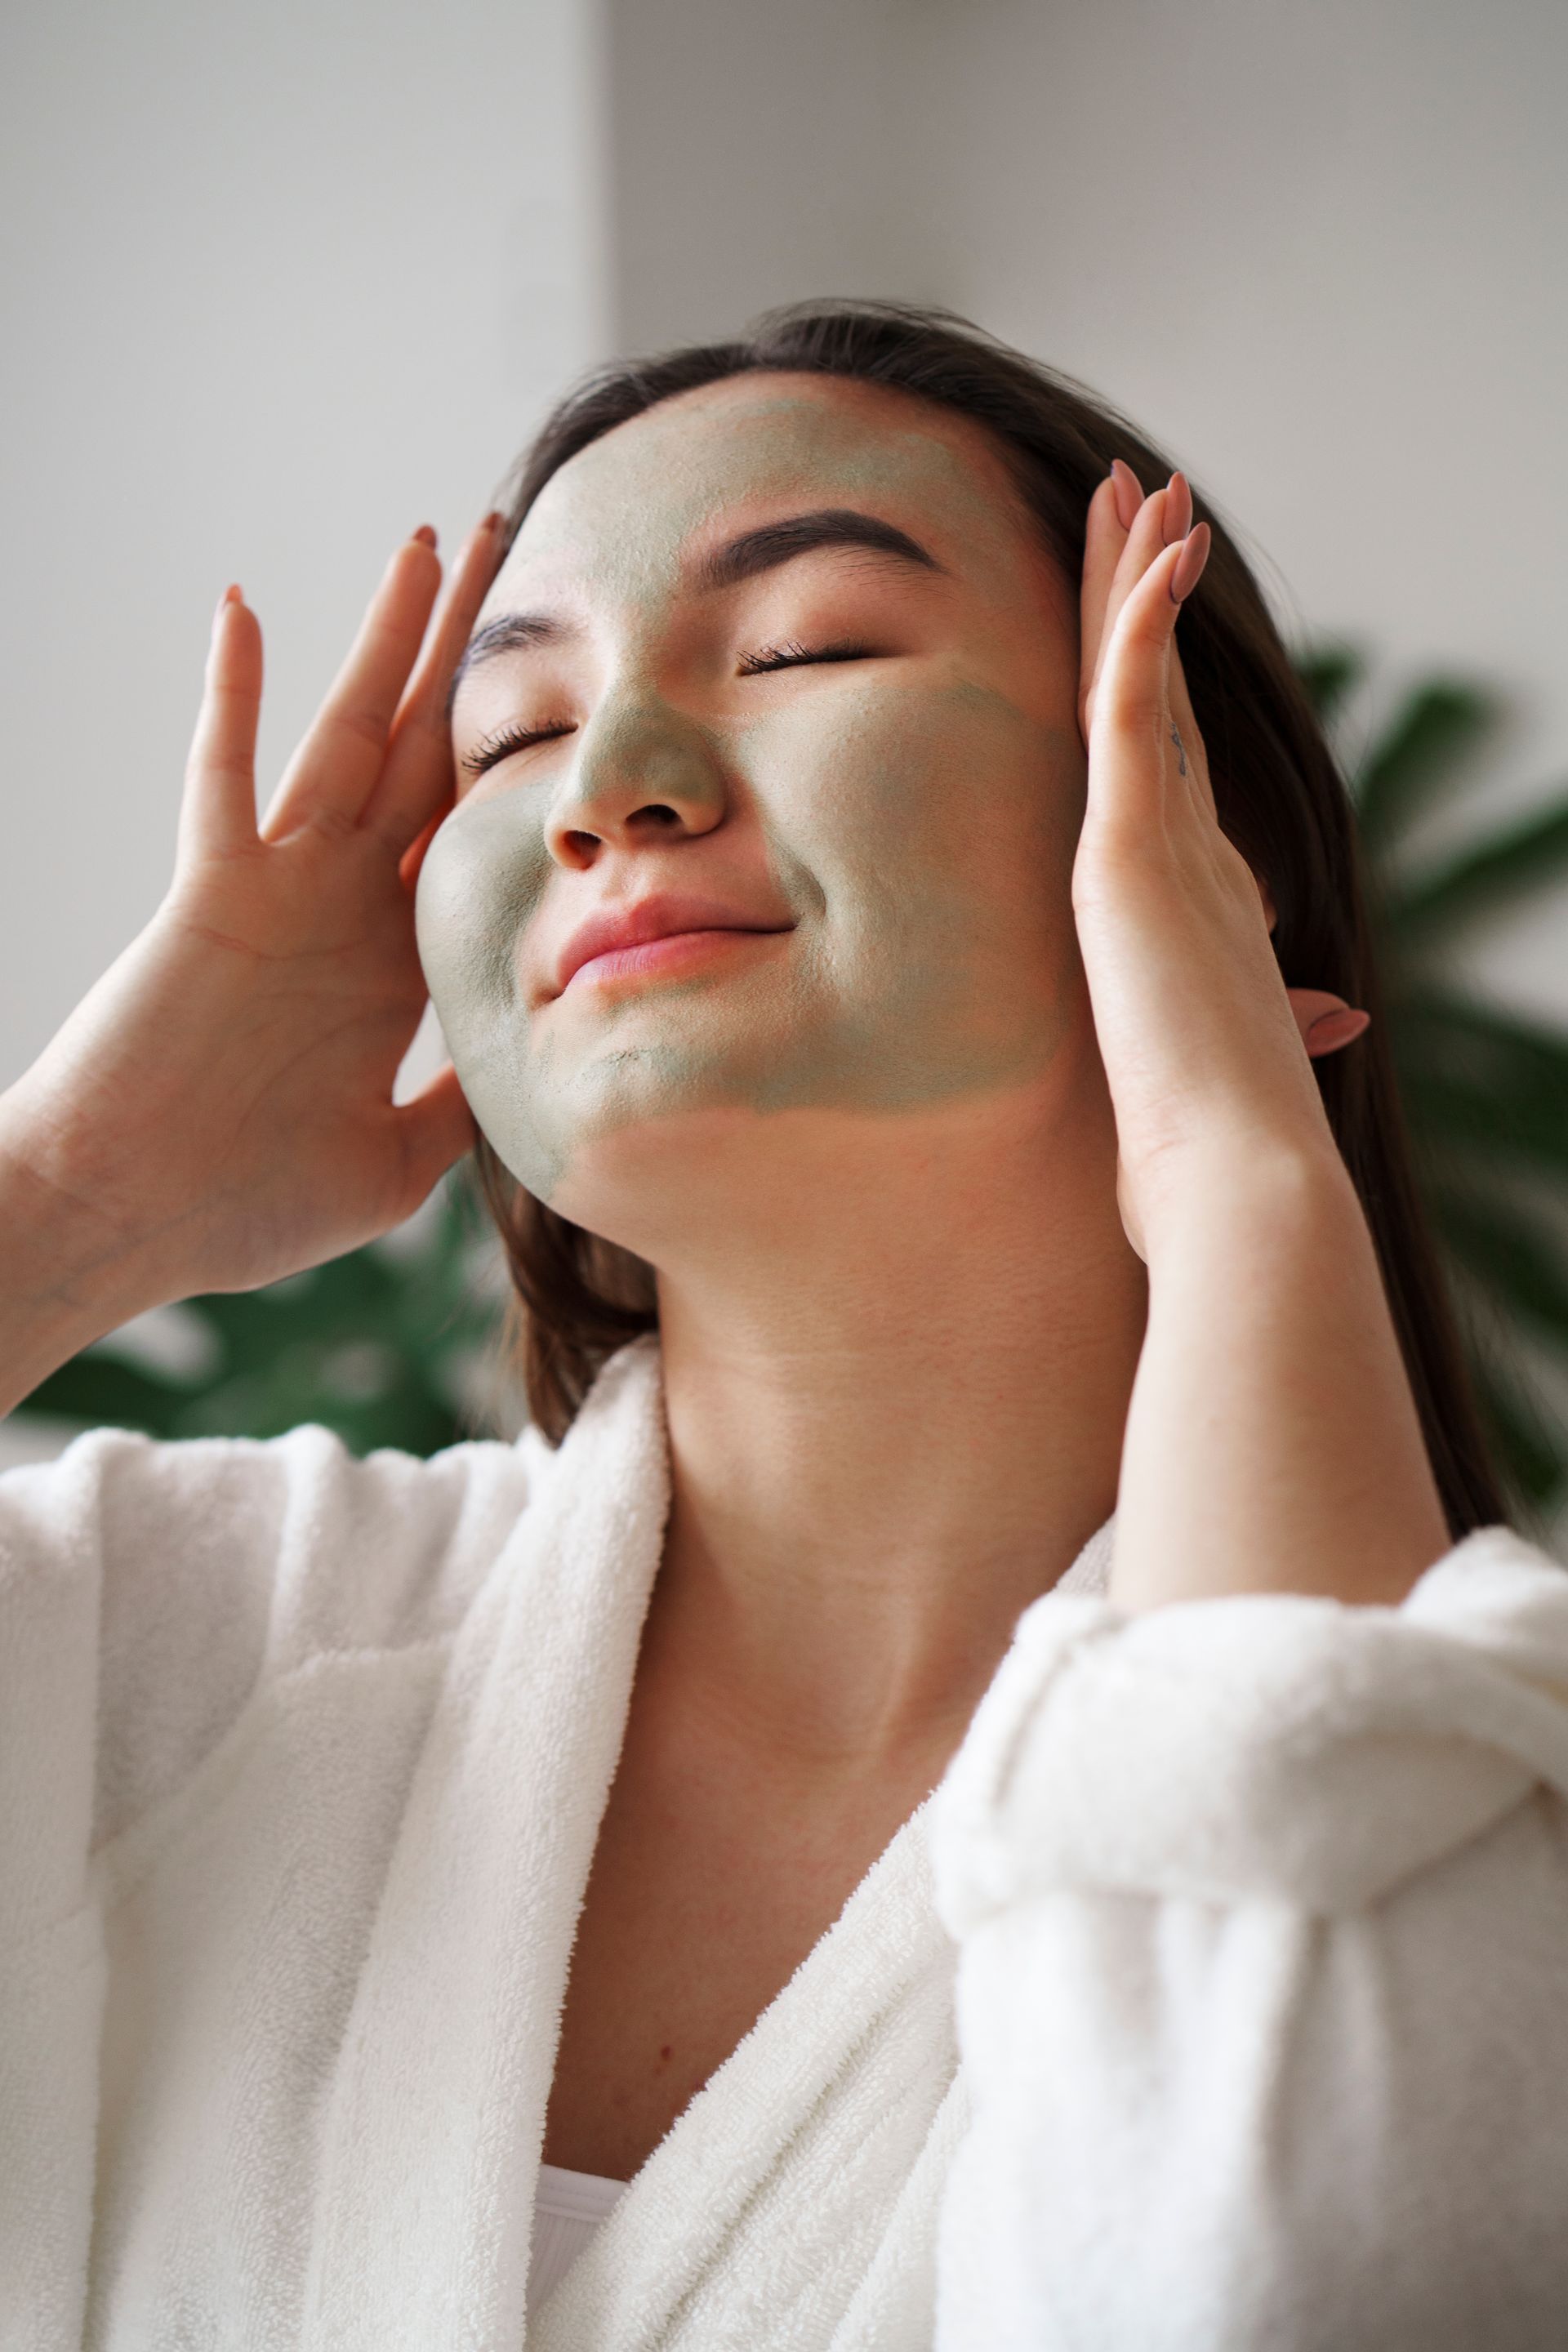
pixel 1258 1910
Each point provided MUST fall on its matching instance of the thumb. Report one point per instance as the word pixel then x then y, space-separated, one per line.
pixel 434 1132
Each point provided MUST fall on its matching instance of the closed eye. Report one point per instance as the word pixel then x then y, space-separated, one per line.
pixel 508 740
pixel 793 657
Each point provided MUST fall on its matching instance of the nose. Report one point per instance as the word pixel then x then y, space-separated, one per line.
pixel 643 773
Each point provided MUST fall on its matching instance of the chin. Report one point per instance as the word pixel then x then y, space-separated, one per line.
pixel 648 1183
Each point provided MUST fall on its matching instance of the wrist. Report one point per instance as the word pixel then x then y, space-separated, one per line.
pixel 69 1274
pixel 1273 1444
pixel 1251 1187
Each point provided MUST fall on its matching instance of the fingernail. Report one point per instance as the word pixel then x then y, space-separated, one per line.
pixel 1330 1031
pixel 1129 493
pixel 1178 520
pixel 426 534
pixel 1190 564
pixel 493 521
pixel 231 595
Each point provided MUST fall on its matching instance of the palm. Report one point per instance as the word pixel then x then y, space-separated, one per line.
pixel 1485 1089
pixel 314 956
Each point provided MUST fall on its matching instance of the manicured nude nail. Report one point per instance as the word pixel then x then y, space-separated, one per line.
pixel 493 521
pixel 1190 564
pixel 1129 493
pixel 426 534
pixel 1178 519
pixel 1330 1031
pixel 231 595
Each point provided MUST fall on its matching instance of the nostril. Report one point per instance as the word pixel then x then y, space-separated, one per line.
pixel 658 814
pixel 582 845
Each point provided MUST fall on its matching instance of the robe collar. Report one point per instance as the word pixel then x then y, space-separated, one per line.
pixel 433 2121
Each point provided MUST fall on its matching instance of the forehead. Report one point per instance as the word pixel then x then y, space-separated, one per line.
pixel 625 512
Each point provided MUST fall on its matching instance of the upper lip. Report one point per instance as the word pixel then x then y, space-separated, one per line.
pixel 656 917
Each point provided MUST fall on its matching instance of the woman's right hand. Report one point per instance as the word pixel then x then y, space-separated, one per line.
pixel 217 1112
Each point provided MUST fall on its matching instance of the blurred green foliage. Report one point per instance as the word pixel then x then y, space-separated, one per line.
pixel 389 1345
pixel 393 1344
pixel 1485 1088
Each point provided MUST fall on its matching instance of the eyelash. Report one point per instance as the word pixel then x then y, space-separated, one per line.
pixel 508 740
pixel 792 656
pixel 501 745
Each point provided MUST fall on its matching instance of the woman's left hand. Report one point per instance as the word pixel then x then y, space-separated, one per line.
pixel 1202 1043
pixel 1272 1442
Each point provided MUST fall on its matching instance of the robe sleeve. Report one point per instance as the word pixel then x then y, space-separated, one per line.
pixel 1262 1913
pixel 147 1593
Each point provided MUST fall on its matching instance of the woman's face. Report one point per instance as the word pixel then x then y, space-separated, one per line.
pixel 777 669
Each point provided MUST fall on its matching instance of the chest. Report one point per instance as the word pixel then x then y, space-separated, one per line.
pixel 709 1886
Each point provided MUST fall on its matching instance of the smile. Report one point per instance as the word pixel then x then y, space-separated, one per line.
pixel 671 956
pixel 663 933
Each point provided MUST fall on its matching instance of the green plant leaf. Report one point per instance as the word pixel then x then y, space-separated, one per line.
pixel 1479 1080
pixel 1514 1258
pixel 1527 857
pixel 1439 726
pixel 105 1392
pixel 1531 1450
pixel 1329 672
pixel 375 1345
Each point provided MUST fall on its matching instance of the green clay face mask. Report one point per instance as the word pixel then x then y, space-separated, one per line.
pixel 895 829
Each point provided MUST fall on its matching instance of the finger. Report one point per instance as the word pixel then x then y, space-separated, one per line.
pixel 413 858
pixel 416 783
pixel 1105 536
pixel 1152 531
pixel 1325 1021
pixel 1133 669
pixel 1185 719
pixel 434 1132
pixel 1332 1030
pixel 217 810
pixel 334 770
pixel 1133 712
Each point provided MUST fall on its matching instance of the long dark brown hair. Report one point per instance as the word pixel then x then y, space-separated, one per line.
pixel 1280 798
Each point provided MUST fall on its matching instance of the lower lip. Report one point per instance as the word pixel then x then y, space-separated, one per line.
pixel 677 953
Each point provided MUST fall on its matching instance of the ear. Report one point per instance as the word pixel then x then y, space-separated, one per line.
pixel 1270 913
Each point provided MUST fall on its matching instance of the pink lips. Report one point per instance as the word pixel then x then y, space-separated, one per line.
pixel 687 924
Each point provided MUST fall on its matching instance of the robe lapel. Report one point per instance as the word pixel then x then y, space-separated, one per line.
pixel 756 2219
pixel 433 2121
pixel 794 2201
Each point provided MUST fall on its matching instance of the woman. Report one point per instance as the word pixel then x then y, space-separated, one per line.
pixel 903 1133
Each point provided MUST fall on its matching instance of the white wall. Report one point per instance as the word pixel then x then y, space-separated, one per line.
pixel 753 157
pixel 280 282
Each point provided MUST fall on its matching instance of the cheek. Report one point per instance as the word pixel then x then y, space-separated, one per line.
pixel 480 883
pixel 482 879
pixel 945 811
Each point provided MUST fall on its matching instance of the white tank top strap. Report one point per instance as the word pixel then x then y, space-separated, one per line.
pixel 567 2210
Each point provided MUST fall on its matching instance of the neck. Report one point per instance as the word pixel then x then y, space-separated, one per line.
pixel 894 1417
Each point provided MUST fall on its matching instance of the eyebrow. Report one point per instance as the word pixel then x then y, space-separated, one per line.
pixel 772 543
pixel 741 558
pixel 510 634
